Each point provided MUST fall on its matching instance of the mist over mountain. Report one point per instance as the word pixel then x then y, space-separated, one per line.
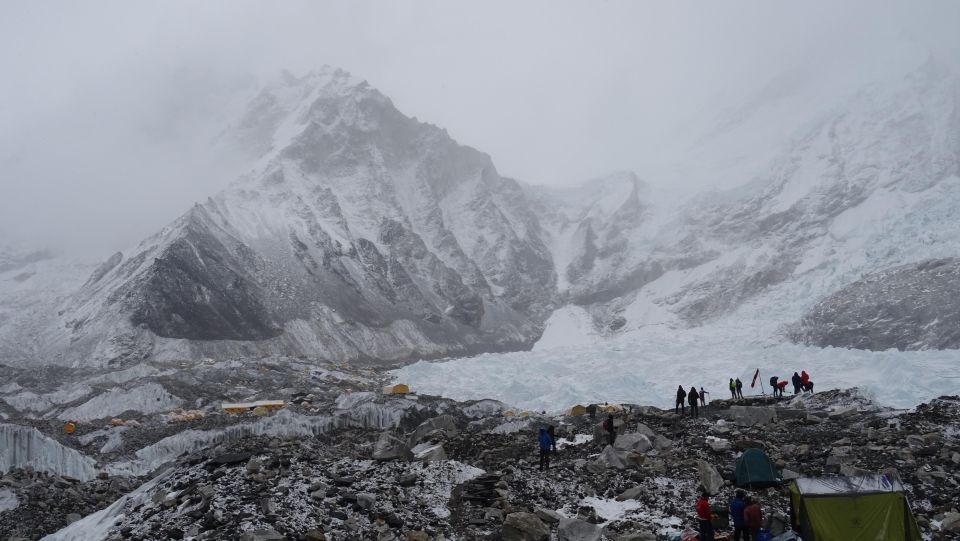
pixel 361 233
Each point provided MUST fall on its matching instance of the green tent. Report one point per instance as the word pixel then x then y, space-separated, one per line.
pixel 871 508
pixel 754 470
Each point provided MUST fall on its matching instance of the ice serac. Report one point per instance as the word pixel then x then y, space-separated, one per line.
pixel 22 446
pixel 907 308
pixel 360 234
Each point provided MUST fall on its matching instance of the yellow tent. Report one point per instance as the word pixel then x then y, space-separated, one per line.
pixel 577 410
pixel 509 413
pixel 69 428
pixel 399 388
pixel 243 407
pixel 524 414
pixel 611 408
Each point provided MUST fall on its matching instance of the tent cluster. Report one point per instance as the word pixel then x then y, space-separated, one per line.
pixel 243 407
pixel 580 409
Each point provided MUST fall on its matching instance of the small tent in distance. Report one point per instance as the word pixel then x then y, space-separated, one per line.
pixel 399 388
pixel 872 507
pixel 755 470
pixel 577 410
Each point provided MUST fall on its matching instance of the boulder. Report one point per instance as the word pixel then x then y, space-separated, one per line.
pixel 634 442
pixel 266 534
pixel 571 529
pixel 446 424
pixel 390 447
pixel 709 477
pixel 631 493
pixel 752 415
pixel 637 536
pixel 548 516
pixel 950 523
pixel 524 527
pixel 718 445
pixel 662 443
pixel 611 458
pixel 429 453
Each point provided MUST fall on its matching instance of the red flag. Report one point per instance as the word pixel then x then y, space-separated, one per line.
pixel 755 374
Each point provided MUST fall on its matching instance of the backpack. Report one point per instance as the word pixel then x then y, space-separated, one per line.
pixel 773 381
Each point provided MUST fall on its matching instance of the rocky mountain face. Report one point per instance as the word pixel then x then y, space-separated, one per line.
pixel 908 307
pixel 363 234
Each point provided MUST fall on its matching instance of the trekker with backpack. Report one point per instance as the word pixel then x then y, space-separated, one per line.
pixel 546 443
pixel 739 388
pixel 773 385
pixel 796 383
pixel 737 505
pixel 733 389
pixel 694 398
pixel 681 396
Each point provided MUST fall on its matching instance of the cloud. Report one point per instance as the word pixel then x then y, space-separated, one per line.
pixel 107 107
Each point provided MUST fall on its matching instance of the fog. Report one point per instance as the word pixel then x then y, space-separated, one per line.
pixel 109 109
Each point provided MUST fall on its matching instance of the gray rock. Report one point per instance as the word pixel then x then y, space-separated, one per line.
pixel 710 478
pixel 950 523
pixel 524 527
pixel 631 493
pixel 366 500
pixel 634 442
pixel 571 529
pixel 266 534
pixel 390 447
pixel 637 536
pixel 447 424
pixel 548 516
pixel 73 517
pixel 752 415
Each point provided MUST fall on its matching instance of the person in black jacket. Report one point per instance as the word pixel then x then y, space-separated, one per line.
pixel 796 383
pixel 739 388
pixel 681 396
pixel 694 397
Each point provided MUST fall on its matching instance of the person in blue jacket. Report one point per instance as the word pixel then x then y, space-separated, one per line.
pixel 546 444
pixel 737 505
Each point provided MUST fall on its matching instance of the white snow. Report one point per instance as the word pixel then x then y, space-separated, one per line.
pixel 148 398
pixel 645 367
pixel 8 500
pixel 578 439
pixel 611 509
pixel 567 326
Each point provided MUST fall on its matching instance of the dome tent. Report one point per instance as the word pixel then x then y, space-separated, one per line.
pixel 755 470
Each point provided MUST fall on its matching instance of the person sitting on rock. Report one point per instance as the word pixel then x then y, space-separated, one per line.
pixel 733 389
pixel 753 518
pixel 704 517
pixel 694 397
pixel 737 505
pixel 739 388
pixel 546 443
pixel 681 396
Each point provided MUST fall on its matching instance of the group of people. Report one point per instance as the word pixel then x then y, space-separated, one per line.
pixel 745 513
pixel 693 397
pixel 801 383
pixel 736 388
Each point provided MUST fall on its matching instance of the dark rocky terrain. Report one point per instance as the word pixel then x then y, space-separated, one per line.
pixel 907 307
pixel 433 468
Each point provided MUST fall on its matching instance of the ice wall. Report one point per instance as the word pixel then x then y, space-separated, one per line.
pixel 26 446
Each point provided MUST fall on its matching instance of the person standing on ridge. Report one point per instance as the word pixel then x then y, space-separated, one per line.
pixel 737 505
pixel 773 385
pixel 704 517
pixel 703 396
pixel 546 442
pixel 611 430
pixel 796 383
pixel 681 396
pixel 753 518
pixel 733 389
pixel 739 388
pixel 694 398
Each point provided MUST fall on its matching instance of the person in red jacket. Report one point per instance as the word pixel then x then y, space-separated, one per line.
pixel 703 517
pixel 753 518
pixel 804 378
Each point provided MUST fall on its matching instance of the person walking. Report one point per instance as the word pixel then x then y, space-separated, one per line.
pixel 611 431
pixel 681 396
pixel 739 388
pixel 737 505
pixel 694 398
pixel 704 517
pixel 546 443
pixel 796 383
pixel 733 389
pixel 703 397
pixel 753 518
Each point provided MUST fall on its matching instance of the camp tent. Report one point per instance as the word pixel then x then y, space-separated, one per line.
pixel 399 388
pixel 577 410
pixel 754 470
pixel 865 508
pixel 611 408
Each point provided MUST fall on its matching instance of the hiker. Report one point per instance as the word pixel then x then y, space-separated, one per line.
pixel 703 397
pixel 546 442
pixel 733 389
pixel 804 378
pixel 796 383
pixel 739 388
pixel 694 398
pixel 703 517
pixel 781 385
pixel 552 430
pixel 737 505
pixel 681 395
pixel 753 518
pixel 611 431
pixel 773 385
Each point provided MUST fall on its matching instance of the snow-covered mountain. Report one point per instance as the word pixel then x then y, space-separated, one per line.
pixel 361 233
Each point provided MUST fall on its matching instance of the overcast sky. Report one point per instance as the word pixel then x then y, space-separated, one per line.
pixel 106 108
